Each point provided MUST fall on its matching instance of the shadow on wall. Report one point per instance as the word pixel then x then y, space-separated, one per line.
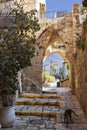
pixel 30 87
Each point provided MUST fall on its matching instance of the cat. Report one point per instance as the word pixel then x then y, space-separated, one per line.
pixel 68 116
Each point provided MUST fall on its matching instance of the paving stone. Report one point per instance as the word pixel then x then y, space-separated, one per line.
pixel 21 125
pixel 47 129
pixel 32 128
pixel 42 126
pixel 50 126
pixel 33 108
pixel 35 117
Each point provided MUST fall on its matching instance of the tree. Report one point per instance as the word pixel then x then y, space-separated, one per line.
pixel 17 47
pixel 52 68
pixel 60 73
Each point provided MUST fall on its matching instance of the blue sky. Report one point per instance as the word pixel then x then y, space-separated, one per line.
pixel 59 5
pixel 56 58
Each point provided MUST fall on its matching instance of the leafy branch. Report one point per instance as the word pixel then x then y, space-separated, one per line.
pixel 17 47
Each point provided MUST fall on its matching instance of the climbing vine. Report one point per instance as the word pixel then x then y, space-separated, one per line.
pixel 80 42
pixel 81 39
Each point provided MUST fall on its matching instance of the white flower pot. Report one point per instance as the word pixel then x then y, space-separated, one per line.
pixel 7 116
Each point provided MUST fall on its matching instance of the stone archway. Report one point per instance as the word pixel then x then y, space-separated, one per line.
pixel 66 30
pixel 60 32
pixel 60 68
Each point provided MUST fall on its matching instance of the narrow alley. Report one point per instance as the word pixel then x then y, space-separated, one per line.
pixel 66 101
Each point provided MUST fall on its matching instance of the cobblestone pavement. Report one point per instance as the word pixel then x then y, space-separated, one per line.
pixel 45 123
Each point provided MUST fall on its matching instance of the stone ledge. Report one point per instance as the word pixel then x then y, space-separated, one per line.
pixel 42 114
pixel 39 103
pixel 25 95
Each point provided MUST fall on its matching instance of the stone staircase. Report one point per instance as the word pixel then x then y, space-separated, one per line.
pixel 39 105
pixel 35 117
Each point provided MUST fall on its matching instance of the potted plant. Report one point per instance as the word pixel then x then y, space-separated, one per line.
pixel 17 47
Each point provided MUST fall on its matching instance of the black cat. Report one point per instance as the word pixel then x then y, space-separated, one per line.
pixel 68 116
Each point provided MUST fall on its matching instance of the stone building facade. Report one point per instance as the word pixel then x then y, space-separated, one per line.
pixel 39 5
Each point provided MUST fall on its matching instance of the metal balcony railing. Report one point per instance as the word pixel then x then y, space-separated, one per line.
pixel 56 14
pixel 51 14
pixel 5 7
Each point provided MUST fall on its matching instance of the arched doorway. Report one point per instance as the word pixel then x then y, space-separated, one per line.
pixel 55 66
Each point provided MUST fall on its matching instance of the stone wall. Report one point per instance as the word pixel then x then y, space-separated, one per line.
pixel 80 59
pixel 81 77
pixel 34 73
pixel 47 37
pixel 39 5
pixel 27 5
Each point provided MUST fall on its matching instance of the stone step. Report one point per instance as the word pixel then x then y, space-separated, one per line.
pixel 27 95
pixel 42 114
pixel 45 103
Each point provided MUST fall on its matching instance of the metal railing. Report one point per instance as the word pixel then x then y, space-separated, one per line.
pixel 56 14
pixel 51 14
